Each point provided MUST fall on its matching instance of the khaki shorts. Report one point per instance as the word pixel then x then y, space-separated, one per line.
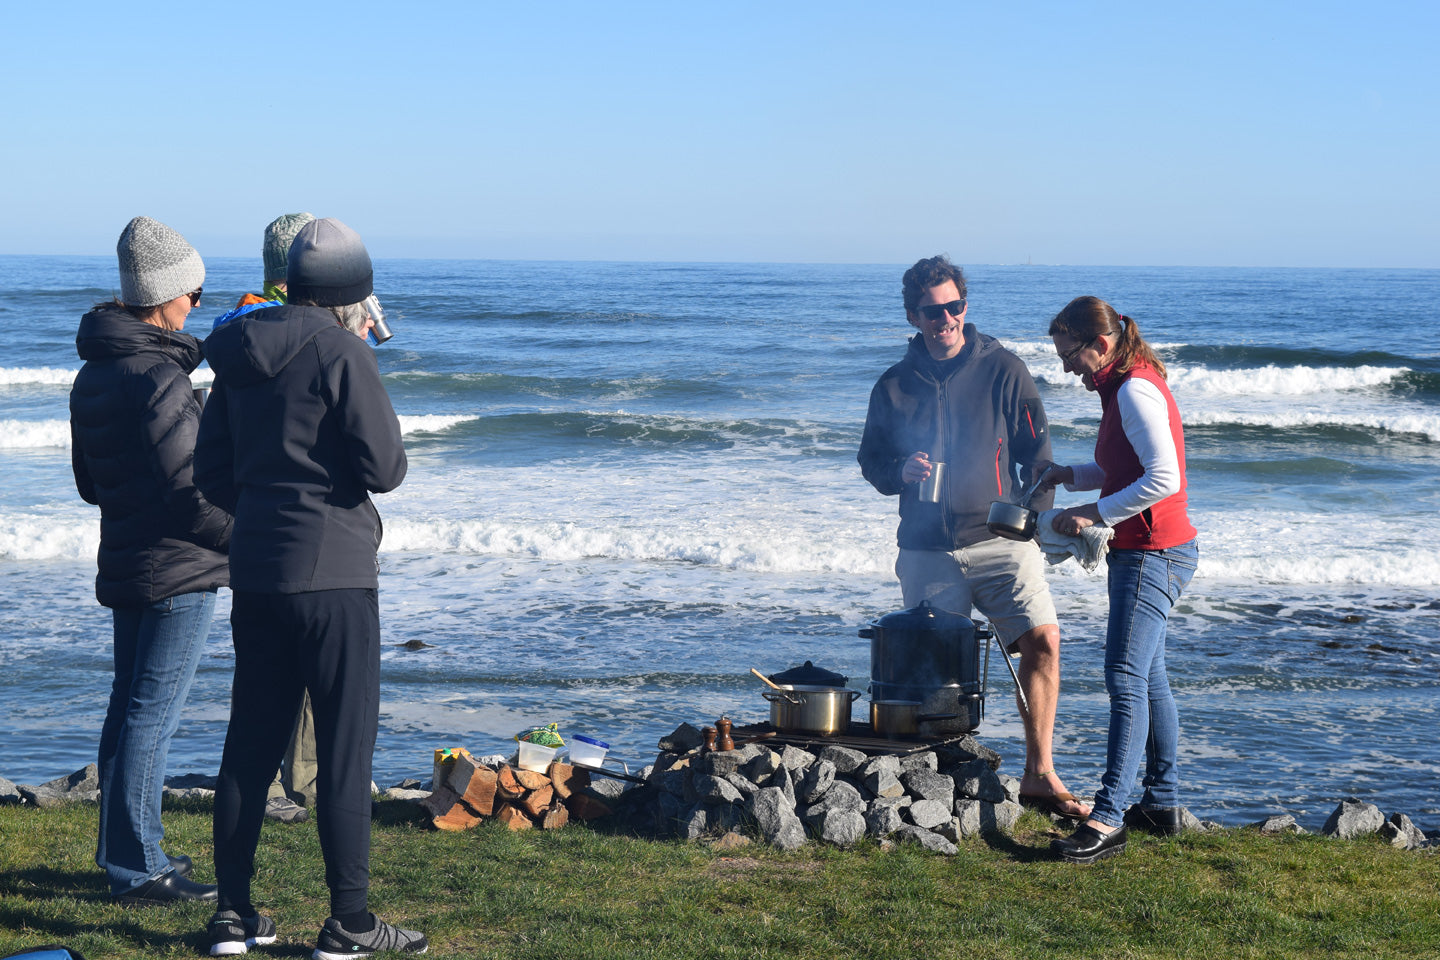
pixel 1003 579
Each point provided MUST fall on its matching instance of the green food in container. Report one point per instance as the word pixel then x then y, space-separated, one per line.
pixel 547 736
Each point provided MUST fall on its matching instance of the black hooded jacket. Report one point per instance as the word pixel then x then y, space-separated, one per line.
pixel 980 414
pixel 133 420
pixel 297 433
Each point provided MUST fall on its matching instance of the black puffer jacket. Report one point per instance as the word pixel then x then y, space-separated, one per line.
pixel 298 432
pixel 133 419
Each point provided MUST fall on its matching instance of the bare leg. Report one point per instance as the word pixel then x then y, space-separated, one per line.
pixel 1040 677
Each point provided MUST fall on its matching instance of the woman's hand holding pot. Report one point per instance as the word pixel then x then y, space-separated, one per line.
pixel 1050 474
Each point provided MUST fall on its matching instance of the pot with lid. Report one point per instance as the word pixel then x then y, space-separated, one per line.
pixel 931 655
pixel 811 699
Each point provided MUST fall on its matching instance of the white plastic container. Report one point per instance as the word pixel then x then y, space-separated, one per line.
pixel 535 757
pixel 588 752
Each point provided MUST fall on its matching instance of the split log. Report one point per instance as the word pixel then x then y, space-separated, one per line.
pixel 513 817
pixel 537 802
pixel 585 807
pixel 447 810
pixel 531 780
pixel 479 796
pixel 508 787
pixel 567 779
pixel 555 818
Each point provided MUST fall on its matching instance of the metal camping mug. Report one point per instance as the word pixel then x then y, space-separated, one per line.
pixel 931 486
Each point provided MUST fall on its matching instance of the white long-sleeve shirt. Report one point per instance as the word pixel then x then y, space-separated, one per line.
pixel 1145 418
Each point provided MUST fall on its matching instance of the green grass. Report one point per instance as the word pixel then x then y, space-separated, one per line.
pixel 584 893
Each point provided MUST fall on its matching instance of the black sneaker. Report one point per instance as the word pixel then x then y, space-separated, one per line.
pixel 337 943
pixel 232 934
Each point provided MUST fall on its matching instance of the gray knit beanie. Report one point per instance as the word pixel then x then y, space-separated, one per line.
pixel 278 237
pixel 156 264
pixel 328 265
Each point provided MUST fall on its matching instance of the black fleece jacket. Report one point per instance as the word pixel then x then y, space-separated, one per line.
pixel 133 420
pixel 979 413
pixel 297 433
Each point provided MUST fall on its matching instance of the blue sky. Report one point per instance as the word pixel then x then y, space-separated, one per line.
pixel 1209 134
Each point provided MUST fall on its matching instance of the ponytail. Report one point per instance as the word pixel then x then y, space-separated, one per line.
pixel 1086 318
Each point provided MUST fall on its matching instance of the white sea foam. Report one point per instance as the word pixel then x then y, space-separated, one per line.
pixel 30 536
pixel 1418 424
pixel 18 434
pixel 432 422
pixel 1278 381
pixel 45 375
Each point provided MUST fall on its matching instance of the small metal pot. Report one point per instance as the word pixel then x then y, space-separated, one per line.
pixel 809 709
pixel 1015 521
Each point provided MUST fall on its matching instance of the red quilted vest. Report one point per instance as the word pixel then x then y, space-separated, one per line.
pixel 1165 524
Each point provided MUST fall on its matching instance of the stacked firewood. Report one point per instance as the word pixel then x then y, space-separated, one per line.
pixel 472 792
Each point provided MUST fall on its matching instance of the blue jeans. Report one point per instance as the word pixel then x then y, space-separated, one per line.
pixel 1144 585
pixel 157 648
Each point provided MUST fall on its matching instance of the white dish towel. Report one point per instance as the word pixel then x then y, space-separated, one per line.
pixel 1089 548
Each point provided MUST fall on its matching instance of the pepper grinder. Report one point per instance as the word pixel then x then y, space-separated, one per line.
pixel 709 734
pixel 726 742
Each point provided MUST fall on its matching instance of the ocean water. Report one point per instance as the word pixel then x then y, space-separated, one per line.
pixel 630 483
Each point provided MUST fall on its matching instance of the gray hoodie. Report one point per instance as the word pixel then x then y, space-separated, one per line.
pixel 979 413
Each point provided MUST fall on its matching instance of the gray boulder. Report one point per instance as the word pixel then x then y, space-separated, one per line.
pixel 784 780
pixel 883 817
pixel 841 796
pixel 925 759
pixel 999 817
pixel 673 782
pixel 968 748
pixel 967 818
pixel 1398 831
pixel 82 785
pixel 762 767
pixel 742 783
pixel 927 839
pixel 775 819
pixel 796 759
pixel 1012 787
pixel 816 781
pixel 844 759
pixel 1279 823
pixel 840 827
pixel 723 763
pixel 977 781
pixel 928 814
pixel 925 784
pixel 9 793
pixel 1353 818
pixel 684 739
pixel 880 775
pixel 711 789
pixel 606 788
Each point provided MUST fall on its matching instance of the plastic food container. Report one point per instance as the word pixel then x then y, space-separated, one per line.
pixel 587 752
pixel 534 756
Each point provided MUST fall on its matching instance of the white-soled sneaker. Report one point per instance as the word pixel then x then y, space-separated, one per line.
pixel 232 934
pixel 337 943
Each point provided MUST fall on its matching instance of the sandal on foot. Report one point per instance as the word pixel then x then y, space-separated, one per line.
pixel 1050 803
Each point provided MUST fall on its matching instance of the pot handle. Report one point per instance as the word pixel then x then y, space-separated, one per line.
pixel 854 695
pixel 788 698
pixel 927 717
pixel 867 633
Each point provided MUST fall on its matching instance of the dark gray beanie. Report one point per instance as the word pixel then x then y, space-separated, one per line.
pixel 278 237
pixel 328 265
pixel 156 264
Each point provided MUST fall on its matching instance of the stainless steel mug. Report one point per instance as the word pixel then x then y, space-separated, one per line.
pixel 931 486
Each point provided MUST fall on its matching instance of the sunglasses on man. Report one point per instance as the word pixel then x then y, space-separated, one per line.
pixel 937 311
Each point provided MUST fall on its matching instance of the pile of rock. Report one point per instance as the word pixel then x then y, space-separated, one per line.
pixel 469 791
pixel 1353 818
pixel 79 787
pixel 836 794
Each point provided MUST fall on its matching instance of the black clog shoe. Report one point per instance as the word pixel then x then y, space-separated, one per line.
pixel 1158 821
pixel 1086 845
pixel 167 888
